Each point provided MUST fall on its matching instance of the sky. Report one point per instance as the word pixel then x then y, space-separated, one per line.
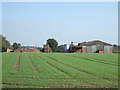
pixel 32 23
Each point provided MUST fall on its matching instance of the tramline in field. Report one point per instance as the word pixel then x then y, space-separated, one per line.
pixel 60 70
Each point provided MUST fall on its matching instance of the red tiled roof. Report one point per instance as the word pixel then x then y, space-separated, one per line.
pixel 26 50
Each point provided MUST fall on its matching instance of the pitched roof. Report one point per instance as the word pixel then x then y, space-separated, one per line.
pixel 95 42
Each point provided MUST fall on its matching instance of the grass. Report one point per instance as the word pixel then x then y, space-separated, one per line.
pixel 60 70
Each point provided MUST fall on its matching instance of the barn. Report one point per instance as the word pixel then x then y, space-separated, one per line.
pixel 96 46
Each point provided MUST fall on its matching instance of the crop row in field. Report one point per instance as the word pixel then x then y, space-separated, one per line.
pixel 57 70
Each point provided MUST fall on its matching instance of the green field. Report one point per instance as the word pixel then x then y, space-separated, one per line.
pixel 60 70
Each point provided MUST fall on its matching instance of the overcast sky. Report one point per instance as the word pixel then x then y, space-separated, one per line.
pixel 32 23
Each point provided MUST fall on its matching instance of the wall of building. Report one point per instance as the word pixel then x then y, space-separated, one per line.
pixel 93 48
pixel 66 47
pixel 9 50
pixel 101 48
pixel 89 49
pixel 107 49
pixel 26 50
pixel 77 50
pixel 101 51
pixel 84 50
pixel 46 48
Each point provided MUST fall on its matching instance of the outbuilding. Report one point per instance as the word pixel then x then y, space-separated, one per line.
pixel 96 46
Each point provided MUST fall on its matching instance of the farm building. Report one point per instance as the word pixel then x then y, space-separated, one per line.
pixel 96 46
pixel 84 49
pixel 75 48
pixel 46 48
pixel 9 50
pixel 26 50
pixel 72 48
pixel 66 47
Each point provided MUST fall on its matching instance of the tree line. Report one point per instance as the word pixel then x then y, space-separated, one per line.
pixel 116 48
pixel 4 44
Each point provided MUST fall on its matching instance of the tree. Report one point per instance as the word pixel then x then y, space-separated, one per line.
pixel 53 44
pixel 60 48
pixel 19 45
pixel 16 45
pixel 39 48
pixel 115 47
pixel 82 44
pixel 118 47
pixel 4 44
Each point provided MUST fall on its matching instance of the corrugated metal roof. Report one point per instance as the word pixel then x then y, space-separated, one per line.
pixel 95 42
